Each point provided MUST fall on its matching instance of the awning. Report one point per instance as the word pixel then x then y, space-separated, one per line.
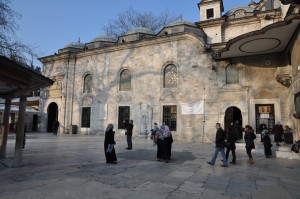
pixel 15 78
pixel 270 39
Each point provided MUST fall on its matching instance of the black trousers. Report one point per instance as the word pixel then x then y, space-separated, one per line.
pixel 129 141
pixel 233 154
pixel 248 150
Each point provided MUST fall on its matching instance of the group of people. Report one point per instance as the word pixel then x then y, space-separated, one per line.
pixel 221 143
pixel 163 139
pixel 162 135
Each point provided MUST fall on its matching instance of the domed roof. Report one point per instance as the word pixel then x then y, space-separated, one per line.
pixel 233 10
pixel 181 22
pixel 105 38
pixel 75 45
pixel 141 30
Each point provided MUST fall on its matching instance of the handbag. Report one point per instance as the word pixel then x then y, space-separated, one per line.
pixel 109 148
pixel 125 132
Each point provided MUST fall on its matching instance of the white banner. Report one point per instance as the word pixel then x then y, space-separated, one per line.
pixel 192 108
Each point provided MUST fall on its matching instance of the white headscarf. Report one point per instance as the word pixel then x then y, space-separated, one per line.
pixel 166 131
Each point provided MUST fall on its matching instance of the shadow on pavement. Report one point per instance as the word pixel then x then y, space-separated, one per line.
pixel 150 155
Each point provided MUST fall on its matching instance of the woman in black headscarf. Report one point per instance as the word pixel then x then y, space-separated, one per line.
pixel 109 143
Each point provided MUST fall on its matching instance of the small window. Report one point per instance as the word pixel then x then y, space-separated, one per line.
pixel 124 114
pixel 86 117
pixel 170 76
pixel 232 75
pixel 87 87
pixel 210 13
pixel 170 116
pixel 125 80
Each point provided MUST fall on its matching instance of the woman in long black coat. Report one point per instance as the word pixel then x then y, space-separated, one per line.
pixel 278 132
pixel 267 144
pixel 230 145
pixel 249 139
pixel 109 141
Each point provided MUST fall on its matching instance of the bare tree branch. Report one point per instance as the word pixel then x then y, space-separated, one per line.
pixel 131 19
pixel 9 45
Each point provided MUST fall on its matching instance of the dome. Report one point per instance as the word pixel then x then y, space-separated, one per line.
pixel 105 38
pixel 181 22
pixel 141 30
pixel 233 10
pixel 75 45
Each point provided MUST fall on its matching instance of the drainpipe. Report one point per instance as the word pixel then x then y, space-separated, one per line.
pixel 66 94
pixel 75 59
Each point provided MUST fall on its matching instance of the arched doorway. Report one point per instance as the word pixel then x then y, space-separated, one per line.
pixel 233 114
pixel 52 112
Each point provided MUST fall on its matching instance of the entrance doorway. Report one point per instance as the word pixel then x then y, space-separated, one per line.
pixel 233 114
pixel 52 112
pixel 265 114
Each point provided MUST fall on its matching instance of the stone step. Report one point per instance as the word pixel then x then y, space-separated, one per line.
pixel 283 151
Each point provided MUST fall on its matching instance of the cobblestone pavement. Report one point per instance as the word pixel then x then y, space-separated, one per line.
pixel 73 166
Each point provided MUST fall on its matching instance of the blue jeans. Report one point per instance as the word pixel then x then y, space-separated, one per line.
pixel 213 160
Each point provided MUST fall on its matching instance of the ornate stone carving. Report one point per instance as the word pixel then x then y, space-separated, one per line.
pixel 168 96
pixel 124 98
pixel 284 75
pixel 146 115
pixel 87 100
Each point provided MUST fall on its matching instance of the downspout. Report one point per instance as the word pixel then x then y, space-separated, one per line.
pixel 73 89
pixel 66 95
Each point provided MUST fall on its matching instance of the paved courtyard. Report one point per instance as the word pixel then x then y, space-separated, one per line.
pixel 73 166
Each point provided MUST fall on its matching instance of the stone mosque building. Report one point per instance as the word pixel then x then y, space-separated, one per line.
pixel 242 65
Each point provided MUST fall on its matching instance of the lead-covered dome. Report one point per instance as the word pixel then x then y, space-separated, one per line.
pixel 181 22
pixel 141 30
pixel 240 8
pixel 75 45
pixel 105 39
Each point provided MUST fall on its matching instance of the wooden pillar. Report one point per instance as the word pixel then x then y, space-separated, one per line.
pixel 4 127
pixel 17 162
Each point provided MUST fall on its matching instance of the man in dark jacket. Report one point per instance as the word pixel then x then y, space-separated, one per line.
pixel 129 127
pixel 220 145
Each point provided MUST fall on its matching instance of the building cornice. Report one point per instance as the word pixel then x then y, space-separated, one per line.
pixel 123 46
pixel 211 22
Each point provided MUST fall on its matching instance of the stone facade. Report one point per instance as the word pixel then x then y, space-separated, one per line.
pixel 239 84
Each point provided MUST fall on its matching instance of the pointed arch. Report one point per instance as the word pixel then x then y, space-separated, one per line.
pixel 125 80
pixel 88 82
pixel 170 76
pixel 232 75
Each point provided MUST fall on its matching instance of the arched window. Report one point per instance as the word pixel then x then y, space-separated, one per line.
pixel 170 76
pixel 125 80
pixel 87 86
pixel 232 75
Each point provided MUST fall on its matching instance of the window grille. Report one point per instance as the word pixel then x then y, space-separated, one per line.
pixel 170 76
pixel 124 114
pixel 210 13
pixel 86 117
pixel 232 75
pixel 170 116
pixel 125 80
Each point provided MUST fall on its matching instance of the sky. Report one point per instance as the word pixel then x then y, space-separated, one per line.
pixel 49 25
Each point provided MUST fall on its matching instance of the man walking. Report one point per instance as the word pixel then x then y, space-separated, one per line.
pixel 129 127
pixel 55 127
pixel 220 145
